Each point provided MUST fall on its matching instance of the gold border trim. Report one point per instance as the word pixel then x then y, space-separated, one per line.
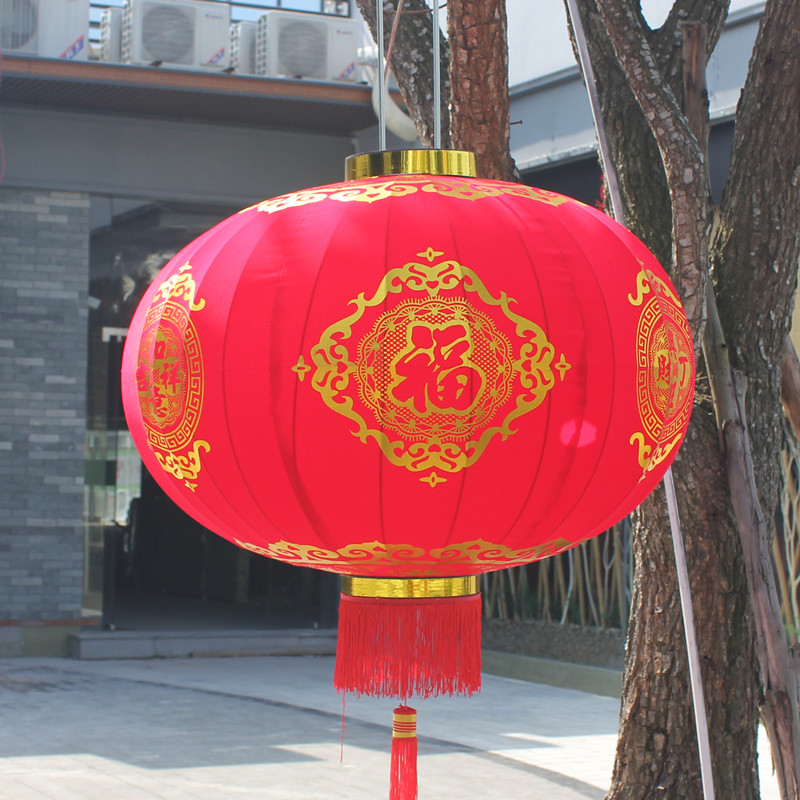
pixel 176 451
pixel 373 558
pixel 414 588
pixel 459 163
pixel 387 187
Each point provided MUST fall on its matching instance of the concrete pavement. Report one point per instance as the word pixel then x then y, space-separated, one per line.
pixel 246 728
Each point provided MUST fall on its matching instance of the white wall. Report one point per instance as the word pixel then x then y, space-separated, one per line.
pixel 538 42
pixel 548 99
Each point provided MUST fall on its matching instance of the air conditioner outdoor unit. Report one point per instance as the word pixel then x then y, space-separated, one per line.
pixel 45 28
pixel 184 34
pixel 243 48
pixel 296 45
pixel 111 35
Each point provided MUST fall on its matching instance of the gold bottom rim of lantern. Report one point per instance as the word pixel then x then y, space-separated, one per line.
pixel 414 588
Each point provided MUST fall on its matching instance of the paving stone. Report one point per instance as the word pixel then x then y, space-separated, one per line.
pixel 201 729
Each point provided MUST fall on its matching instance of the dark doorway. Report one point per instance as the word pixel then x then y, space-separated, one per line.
pixel 581 179
pixel 150 565
pixel 172 572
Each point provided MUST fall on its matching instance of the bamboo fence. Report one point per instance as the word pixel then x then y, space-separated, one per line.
pixel 591 584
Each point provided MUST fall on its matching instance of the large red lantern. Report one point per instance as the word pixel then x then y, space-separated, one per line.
pixel 410 378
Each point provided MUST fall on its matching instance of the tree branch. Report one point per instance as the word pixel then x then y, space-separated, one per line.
pixel 479 84
pixel 711 15
pixel 412 63
pixel 683 159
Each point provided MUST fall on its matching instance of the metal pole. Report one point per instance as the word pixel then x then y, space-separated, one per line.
pixel 381 78
pixel 437 80
pixel 701 720
pixel 594 99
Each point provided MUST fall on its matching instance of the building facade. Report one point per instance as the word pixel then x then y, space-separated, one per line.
pixel 108 170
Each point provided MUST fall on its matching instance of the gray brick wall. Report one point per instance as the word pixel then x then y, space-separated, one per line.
pixel 44 278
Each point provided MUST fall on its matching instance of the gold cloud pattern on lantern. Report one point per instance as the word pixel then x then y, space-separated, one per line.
pixel 367 191
pixel 372 558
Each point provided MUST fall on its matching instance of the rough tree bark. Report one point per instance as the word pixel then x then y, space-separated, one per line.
pixel 757 246
pixel 475 102
pixel 411 61
pixel 757 241
pixel 654 758
pixel 657 755
pixel 644 191
pixel 479 108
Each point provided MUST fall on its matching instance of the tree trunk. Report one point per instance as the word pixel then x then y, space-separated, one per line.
pixel 479 115
pixel 756 255
pixel 657 747
pixel 757 247
pixel 645 57
pixel 412 61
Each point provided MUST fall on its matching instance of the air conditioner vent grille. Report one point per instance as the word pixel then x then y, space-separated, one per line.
pixel 291 45
pixel 168 34
pixel 303 49
pixel 18 23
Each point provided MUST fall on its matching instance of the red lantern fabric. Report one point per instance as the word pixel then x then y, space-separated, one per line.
pixel 410 375
pixel 410 380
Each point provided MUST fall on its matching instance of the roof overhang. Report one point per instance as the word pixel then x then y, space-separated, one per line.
pixel 168 93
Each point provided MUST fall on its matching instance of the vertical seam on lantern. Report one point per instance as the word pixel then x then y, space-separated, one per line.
pixel 255 533
pixel 306 505
pixel 511 209
pixel 218 525
pixel 383 464
pixel 464 474
pixel 612 378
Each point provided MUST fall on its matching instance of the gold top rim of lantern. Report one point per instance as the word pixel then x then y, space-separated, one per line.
pixel 459 163
pixel 415 588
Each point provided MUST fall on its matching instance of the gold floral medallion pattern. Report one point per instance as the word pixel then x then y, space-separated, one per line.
pixel 169 378
pixel 432 366
pixel 664 370
pixel 471 375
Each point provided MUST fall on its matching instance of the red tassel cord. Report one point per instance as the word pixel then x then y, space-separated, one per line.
pixel 405 647
pixel 403 784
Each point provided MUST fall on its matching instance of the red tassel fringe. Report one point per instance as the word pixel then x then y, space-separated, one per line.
pixel 404 647
pixel 403 785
